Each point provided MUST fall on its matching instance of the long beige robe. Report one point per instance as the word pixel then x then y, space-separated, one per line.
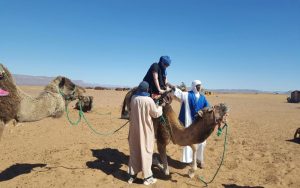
pixel 141 134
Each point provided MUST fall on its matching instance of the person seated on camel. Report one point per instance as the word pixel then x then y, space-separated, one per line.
pixel 156 76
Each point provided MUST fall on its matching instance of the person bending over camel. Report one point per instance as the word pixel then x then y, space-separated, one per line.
pixel 156 76
pixel 191 102
pixel 141 134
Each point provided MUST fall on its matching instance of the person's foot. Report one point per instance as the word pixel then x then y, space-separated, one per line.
pixel 3 93
pixel 150 180
pixel 131 179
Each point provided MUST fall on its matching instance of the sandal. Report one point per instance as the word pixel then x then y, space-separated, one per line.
pixel 131 179
pixel 150 180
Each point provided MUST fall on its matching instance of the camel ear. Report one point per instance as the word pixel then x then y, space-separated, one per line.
pixel 210 110
pixel 200 113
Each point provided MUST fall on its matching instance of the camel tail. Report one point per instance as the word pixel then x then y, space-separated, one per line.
pixel 126 103
pixel 124 113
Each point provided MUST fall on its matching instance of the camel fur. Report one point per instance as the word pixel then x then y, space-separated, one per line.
pixel 86 103
pixel 22 107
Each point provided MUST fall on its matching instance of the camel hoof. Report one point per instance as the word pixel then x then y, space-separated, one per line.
pixel 191 173
pixel 125 116
pixel 17 124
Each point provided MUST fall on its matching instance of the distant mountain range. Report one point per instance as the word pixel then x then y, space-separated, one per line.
pixel 28 80
pixel 247 91
pixel 44 80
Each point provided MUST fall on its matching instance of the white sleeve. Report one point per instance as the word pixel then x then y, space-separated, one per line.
pixel 155 111
pixel 179 94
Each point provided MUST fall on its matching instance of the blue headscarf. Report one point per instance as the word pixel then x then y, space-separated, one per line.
pixel 164 60
pixel 143 89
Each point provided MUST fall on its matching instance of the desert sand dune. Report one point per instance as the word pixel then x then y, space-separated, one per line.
pixel 51 153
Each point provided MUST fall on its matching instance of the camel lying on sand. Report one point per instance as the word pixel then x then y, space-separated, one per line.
pixel 173 130
pixel 51 102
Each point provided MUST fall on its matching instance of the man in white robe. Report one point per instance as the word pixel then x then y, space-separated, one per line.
pixel 141 134
pixel 191 103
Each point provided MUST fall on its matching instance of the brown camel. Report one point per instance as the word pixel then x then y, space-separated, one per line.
pixel 197 132
pixel 172 130
pixel 21 107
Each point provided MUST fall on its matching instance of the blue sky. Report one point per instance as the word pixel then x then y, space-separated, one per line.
pixel 227 44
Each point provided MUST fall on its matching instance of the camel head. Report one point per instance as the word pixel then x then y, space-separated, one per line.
pixel 221 112
pixel 66 88
pixel 215 115
pixel 86 103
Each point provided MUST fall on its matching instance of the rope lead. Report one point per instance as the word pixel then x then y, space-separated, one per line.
pixel 223 155
pixel 82 116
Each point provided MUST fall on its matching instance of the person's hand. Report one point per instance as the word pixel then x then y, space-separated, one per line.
pixel 199 114
pixel 161 91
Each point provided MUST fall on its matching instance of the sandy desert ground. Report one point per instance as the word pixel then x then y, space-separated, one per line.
pixel 51 153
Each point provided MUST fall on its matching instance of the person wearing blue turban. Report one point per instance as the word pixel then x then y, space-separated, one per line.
pixel 156 76
pixel 141 136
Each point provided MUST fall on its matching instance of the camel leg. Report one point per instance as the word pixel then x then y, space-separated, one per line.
pixel 163 156
pixel 194 162
pixel 2 125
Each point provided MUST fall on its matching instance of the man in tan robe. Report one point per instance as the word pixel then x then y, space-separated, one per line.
pixel 141 134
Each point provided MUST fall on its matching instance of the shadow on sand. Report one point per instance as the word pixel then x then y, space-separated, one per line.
pixel 17 170
pixel 237 186
pixel 295 140
pixel 110 161
pixel 173 163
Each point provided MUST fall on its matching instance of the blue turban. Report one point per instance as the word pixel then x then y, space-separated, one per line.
pixel 143 87
pixel 165 59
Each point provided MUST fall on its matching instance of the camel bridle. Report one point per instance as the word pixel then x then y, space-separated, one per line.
pixel 68 97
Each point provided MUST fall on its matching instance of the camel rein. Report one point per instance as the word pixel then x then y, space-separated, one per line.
pixel 67 97
pixel 223 155
pixel 82 116
pixel 165 122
